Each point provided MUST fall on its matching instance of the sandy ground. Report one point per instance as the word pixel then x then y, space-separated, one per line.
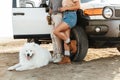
pixel 99 64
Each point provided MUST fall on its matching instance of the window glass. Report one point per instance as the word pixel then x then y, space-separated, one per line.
pixel 85 1
pixel 30 3
pixel 101 1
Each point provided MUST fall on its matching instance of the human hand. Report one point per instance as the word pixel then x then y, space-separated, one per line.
pixel 49 19
pixel 62 9
pixel 50 11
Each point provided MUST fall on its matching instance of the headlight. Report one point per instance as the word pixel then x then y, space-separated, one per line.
pixel 107 12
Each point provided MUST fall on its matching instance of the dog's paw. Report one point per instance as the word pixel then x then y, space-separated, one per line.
pixel 11 68
pixel 19 69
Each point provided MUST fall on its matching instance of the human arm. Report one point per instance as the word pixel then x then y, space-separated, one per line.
pixel 50 7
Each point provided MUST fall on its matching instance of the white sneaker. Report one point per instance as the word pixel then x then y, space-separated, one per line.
pixel 56 58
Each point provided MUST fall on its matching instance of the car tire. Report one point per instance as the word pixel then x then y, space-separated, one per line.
pixel 118 48
pixel 78 34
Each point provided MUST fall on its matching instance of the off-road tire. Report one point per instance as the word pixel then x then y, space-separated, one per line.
pixel 78 34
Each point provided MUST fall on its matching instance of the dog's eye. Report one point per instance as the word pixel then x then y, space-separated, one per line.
pixel 26 50
pixel 30 50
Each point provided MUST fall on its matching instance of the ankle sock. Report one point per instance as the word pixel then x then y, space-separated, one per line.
pixel 67 53
pixel 67 41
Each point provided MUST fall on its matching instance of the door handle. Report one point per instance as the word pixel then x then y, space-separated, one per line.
pixel 15 14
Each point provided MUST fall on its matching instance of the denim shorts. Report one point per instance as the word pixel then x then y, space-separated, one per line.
pixel 70 17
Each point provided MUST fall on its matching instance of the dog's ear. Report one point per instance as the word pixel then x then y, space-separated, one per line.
pixel 33 43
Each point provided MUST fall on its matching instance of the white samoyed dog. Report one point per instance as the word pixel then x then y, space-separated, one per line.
pixel 32 56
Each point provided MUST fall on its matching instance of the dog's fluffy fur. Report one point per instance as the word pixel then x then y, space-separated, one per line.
pixel 32 56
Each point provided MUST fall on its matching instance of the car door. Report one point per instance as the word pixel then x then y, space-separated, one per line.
pixel 29 20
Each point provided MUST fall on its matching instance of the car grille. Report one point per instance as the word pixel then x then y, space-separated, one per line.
pixel 117 12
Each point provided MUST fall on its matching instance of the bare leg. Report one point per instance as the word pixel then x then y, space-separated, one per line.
pixel 67 33
pixel 60 31
pixel 63 32
pixel 67 45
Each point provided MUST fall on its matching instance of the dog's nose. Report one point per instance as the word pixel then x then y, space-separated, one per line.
pixel 28 54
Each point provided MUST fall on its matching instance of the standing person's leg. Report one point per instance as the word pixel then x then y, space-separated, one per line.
pixel 63 31
pixel 66 46
pixel 57 44
pixel 66 58
pixel 60 31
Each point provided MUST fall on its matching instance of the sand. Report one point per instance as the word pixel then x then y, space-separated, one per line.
pixel 99 64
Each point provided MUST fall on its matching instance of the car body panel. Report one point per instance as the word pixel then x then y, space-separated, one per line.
pixel 32 22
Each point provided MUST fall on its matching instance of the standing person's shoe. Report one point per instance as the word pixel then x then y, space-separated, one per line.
pixel 65 60
pixel 56 58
